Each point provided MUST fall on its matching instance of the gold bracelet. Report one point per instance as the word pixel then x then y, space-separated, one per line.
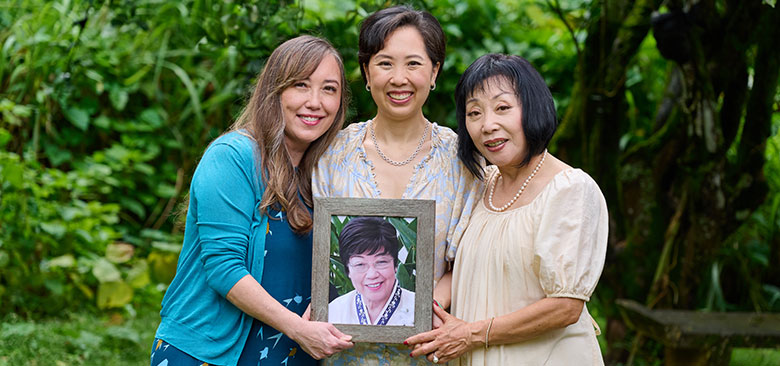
pixel 487 332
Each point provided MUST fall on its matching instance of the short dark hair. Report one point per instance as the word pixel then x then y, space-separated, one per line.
pixel 368 235
pixel 539 120
pixel 375 29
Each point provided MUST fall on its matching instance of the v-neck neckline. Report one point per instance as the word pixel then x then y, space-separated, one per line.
pixel 417 167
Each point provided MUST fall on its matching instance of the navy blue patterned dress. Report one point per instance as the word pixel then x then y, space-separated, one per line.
pixel 287 278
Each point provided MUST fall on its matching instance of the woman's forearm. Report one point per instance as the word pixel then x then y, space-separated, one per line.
pixel 531 321
pixel 456 337
pixel 249 296
pixel 318 339
pixel 442 293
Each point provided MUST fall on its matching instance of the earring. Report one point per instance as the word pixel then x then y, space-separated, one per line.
pixel 368 88
pixel 433 86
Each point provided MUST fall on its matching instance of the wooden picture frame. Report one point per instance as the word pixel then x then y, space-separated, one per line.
pixel 328 213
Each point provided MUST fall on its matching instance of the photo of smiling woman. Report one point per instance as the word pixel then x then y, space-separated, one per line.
pixel 368 248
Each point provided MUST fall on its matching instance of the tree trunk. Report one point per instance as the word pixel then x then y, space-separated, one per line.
pixel 677 195
pixel 590 130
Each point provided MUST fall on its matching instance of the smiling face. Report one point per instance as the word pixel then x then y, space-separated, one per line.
pixel 373 276
pixel 310 105
pixel 400 75
pixel 494 122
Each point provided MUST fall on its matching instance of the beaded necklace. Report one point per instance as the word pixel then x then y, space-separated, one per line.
pixel 519 192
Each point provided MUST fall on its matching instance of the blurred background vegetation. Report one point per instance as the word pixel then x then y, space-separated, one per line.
pixel 107 106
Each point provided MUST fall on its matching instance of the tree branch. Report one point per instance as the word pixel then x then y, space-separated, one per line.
pixel 630 35
pixel 556 6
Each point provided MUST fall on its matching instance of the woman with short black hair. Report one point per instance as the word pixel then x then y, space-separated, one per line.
pixel 538 121
pixel 369 235
pixel 535 246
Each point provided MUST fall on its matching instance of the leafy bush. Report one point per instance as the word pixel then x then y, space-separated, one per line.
pixel 106 107
pixel 60 248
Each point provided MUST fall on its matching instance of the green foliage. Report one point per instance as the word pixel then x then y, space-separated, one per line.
pixel 407 235
pixel 645 84
pixel 59 247
pixel 106 108
pixel 748 253
pixel 754 357
pixel 79 338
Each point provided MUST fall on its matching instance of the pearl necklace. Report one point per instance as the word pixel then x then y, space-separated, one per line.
pixel 519 192
pixel 393 162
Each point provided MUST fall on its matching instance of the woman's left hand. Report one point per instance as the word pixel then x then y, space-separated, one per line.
pixel 452 339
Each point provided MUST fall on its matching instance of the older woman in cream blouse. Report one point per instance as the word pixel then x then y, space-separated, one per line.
pixel 535 245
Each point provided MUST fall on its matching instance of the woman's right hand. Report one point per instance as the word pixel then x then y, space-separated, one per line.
pixel 320 339
pixel 452 339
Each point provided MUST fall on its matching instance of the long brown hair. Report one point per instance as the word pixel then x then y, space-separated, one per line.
pixel 263 120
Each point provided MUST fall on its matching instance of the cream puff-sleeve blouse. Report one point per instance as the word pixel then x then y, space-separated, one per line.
pixel 554 246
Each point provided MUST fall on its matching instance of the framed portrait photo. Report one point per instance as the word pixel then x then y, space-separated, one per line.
pixel 372 267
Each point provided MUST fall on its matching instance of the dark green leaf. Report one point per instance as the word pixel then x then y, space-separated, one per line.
pixel 55 229
pixel 405 278
pixel 78 117
pixel 118 97
pixel 12 172
pixel 133 205
pixel 407 231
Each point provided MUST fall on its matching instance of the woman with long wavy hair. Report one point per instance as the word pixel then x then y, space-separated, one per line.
pixel 243 279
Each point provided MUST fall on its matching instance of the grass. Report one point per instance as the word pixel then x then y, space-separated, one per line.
pixel 78 339
pixel 755 357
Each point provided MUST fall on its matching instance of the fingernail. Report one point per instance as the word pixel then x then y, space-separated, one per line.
pixel 406 343
pixel 410 354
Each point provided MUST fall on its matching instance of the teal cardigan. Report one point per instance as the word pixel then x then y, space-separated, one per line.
pixel 224 240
